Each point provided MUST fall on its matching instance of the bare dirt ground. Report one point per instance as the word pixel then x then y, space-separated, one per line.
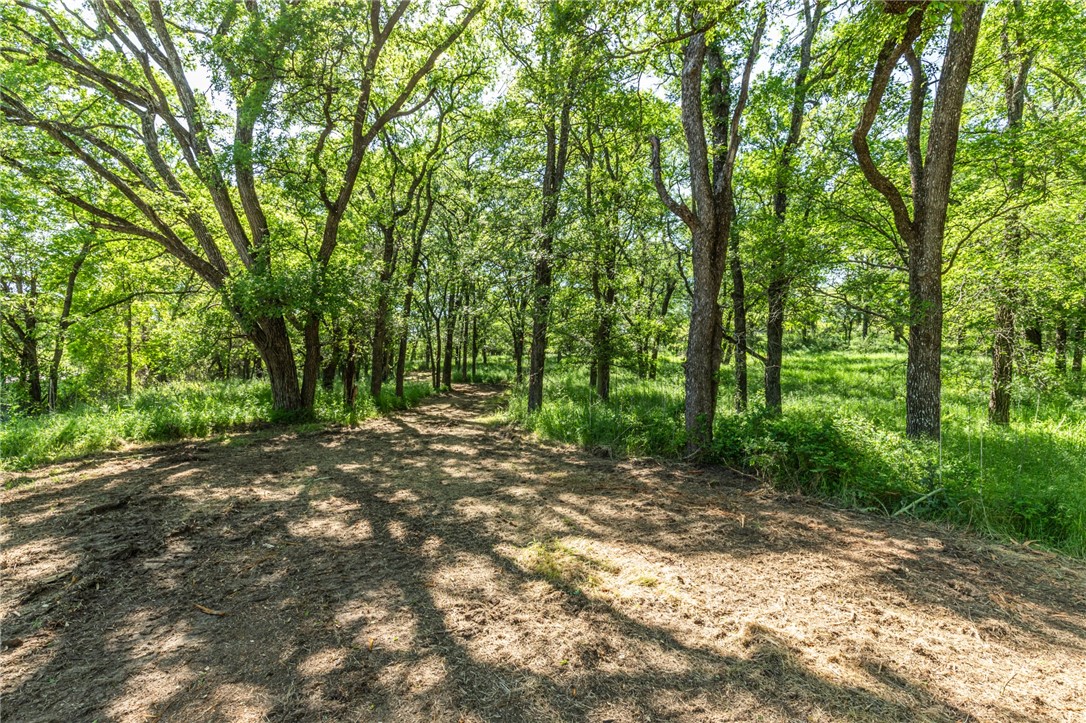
pixel 427 566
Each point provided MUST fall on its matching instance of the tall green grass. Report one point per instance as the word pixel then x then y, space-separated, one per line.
pixel 842 436
pixel 171 411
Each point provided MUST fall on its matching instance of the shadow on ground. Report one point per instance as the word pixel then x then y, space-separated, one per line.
pixel 427 566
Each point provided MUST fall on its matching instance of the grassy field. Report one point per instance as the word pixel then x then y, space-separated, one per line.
pixel 842 436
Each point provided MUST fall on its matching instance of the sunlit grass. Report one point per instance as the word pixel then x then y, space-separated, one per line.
pixel 172 411
pixel 842 436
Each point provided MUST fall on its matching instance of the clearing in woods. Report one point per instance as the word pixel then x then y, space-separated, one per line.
pixel 427 566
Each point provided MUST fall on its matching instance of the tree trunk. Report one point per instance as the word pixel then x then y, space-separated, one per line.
pixel 128 349
pixel 518 355
pixel 604 352
pixel 438 357
pixel 777 293
pixel 350 371
pixel 931 170
pixel 311 336
pixel 999 401
pixel 450 335
pixel 739 314
pixel 711 220
pixel 380 319
pixel 64 323
pixel 553 175
pixel 1061 346
pixel 464 346
pixel 1003 342
pixel 1076 348
pixel 269 336
pixel 923 402
pixel 332 363
pixel 474 346
pixel 777 290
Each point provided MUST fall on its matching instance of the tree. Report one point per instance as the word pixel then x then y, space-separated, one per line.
pixel 779 276
pixel 921 231
pixel 713 210
pixel 123 70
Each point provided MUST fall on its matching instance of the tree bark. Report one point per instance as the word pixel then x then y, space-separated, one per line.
pixel 930 173
pixel 128 349
pixel 272 342
pixel 739 314
pixel 776 295
pixel 1060 347
pixel 474 346
pixel 450 335
pixel 350 371
pixel 712 216
pixel 553 175
pixel 64 323
pixel 780 278
pixel 1077 337
pixel 380 319
pixel 1003 342
pixel 332 362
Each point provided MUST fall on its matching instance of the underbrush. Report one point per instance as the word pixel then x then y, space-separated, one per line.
pixel 842 437
pixel 173 411
pixel 496 371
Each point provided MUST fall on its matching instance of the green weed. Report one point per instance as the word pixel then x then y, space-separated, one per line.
pixel 842 436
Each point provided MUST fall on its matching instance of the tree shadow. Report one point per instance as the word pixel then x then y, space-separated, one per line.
pixel 378 574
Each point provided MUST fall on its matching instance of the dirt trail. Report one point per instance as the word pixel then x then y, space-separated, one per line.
pixel 427 566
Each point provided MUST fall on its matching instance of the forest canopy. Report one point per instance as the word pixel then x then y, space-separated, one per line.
pixel 752 232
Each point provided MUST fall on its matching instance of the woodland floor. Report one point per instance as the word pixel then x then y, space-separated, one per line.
pixel 428 566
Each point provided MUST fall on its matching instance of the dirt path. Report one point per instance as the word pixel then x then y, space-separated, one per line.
pixel 429 567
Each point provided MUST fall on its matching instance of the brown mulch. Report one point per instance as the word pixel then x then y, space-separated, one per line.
pixel 429 566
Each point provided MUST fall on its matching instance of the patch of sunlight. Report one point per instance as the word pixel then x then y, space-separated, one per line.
pixel 331 530
pixel 560 563
pixel 322 662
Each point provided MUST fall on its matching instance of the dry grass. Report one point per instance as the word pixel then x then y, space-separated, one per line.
pixel 429 567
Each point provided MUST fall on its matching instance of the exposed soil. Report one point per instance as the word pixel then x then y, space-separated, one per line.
pixel 427 566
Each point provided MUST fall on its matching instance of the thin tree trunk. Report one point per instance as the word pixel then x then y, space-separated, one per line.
pixel 1076 348
pixel 780 280
pixel 62 327
pixel 739 315
pixel 128 349
pixel 518 355
pixel 1004 337
pixel 464 345
pixel 474 346
pixel 332 363
pixel 350 371
pixel 1061 346
pixel 999 401
pixel 776 295
pixel 380 319
pixel 450 335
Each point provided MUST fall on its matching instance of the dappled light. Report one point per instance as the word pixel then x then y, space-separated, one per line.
pixel 394 576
